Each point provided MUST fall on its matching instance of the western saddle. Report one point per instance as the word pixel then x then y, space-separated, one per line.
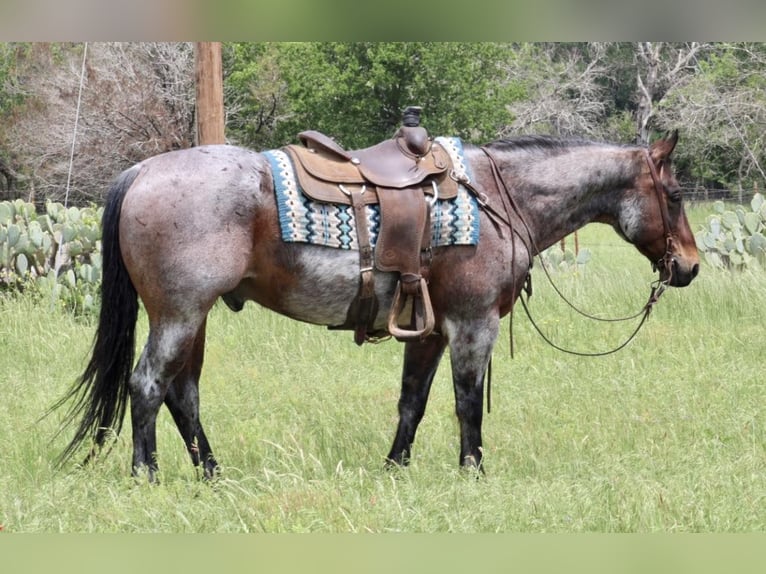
pixel 404 175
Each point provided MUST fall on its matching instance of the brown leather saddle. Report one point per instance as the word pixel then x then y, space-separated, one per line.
pixel 403 175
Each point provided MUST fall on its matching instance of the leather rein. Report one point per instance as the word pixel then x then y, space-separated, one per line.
pixel 510 207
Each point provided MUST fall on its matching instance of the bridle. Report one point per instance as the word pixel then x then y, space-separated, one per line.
pixel 666 261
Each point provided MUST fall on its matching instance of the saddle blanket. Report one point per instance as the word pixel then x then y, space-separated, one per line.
pixel 302 220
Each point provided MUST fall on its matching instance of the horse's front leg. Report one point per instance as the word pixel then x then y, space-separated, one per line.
pixel 421 358
pixel 471 344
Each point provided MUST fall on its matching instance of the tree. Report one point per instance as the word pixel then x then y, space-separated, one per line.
pixel 660 69
pixel 137 101
pixel 563 89
pixel 723 110
pixel 355 92
pixel 8 101
pixel 255 94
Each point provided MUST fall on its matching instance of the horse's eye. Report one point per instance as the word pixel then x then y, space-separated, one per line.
pixel 674 194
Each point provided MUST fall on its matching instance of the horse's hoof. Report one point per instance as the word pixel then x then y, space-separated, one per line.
pixel 473 465
pixel 212 472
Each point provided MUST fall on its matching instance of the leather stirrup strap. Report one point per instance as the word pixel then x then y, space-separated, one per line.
pixel 413 287
pixel 366 295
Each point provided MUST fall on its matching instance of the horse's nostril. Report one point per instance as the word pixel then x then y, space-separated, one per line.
pixel 683 278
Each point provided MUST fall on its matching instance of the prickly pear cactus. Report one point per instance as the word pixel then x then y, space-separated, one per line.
pixel 735 238
pixel 55 254
pixel 565 260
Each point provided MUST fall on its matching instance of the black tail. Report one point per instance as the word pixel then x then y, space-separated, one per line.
pixel 100 395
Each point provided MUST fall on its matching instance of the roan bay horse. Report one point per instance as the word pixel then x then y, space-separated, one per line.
pixel 185 228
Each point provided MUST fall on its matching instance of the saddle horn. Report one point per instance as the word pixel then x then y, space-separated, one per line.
pixel 415 137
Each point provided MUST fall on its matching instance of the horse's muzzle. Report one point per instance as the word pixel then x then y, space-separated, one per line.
pixel 681 272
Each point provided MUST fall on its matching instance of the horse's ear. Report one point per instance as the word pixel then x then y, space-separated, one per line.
pixel 662 148
pixel 672 140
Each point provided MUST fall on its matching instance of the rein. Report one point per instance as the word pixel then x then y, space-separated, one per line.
pixel 509 206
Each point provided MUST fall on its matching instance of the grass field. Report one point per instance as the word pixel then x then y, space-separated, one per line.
pixel 666 435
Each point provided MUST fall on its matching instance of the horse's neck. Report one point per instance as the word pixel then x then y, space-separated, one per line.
pixel 560 193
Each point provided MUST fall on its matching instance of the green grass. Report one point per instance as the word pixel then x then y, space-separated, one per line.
pixel 666 435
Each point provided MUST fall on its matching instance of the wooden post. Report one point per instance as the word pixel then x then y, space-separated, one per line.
pixel 209 81
pixel 563 244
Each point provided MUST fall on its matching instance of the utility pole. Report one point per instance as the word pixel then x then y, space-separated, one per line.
pixel 209 82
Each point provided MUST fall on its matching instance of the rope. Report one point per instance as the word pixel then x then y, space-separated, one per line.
pixel 58 259
pixel 577 309
pixel 76 122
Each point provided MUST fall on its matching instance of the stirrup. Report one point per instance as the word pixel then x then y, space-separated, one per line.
pixel 397 307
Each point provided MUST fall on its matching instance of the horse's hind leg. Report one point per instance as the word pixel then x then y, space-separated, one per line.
pixel 182 400
pixel 421 358
pixel 166 355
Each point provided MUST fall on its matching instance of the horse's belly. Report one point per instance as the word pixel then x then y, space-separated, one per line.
pixel 313 284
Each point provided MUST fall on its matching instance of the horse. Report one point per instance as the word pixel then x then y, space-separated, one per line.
pixel 186 228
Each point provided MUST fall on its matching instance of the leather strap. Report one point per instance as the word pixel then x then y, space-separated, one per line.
pixel 667 258
pixel 366 303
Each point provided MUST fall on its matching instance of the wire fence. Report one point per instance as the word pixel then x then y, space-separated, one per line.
pixel 739 195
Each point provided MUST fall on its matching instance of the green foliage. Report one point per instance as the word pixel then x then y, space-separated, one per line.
pixel 734 238
pixel 253 92
pixel 7 66
pixel 622 125
pixel 355 92
pixel 56 254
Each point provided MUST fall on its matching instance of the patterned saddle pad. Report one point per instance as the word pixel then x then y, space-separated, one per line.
pixel 453 222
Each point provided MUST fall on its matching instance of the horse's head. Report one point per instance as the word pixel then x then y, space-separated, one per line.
pixel 654 219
